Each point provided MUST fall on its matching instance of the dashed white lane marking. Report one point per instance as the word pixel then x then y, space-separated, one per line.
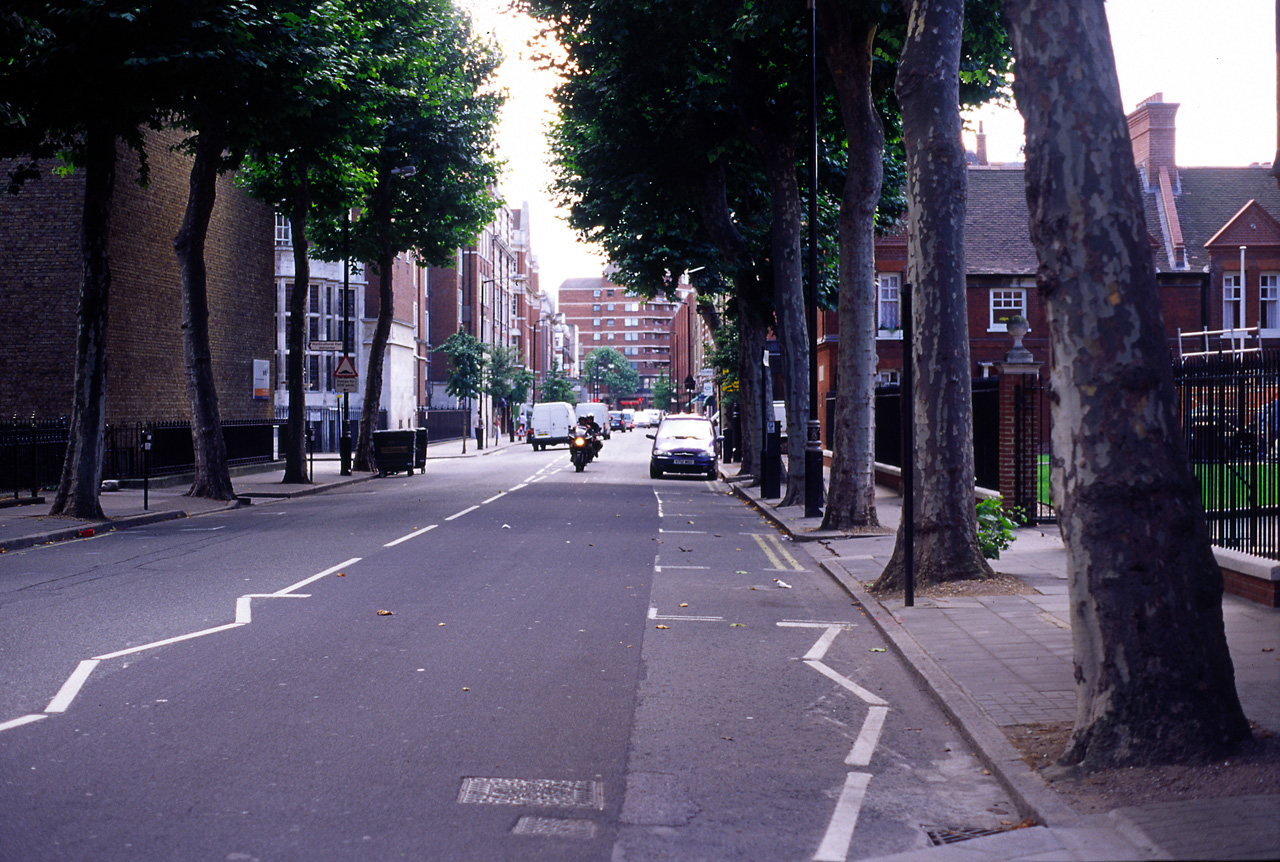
pixel 818 624
pixel 687 532
pixel 463 512
pixel 654 615
pixel 412 535
pixel 664 568
pixel 835 843
pixel 518 487
pixel 497 496
pixel 865 745
pixel 201 529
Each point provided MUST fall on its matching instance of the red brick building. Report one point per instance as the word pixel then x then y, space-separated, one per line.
pixel 1202 222
pixel 40 285
pixel 606 315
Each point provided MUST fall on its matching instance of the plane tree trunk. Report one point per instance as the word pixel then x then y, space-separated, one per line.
pixel 212 475
pixel 381 211
pixel 851 494
pixel 81 481
pixel 1154 678
pixel 946 523
pixel 295 457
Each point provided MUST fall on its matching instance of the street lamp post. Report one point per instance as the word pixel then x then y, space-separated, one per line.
pixel 344 444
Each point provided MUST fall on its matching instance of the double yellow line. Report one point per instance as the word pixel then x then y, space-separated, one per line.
pixel 777 553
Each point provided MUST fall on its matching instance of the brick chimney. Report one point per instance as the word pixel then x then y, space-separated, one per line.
pixel 982 145
pixel 1152 131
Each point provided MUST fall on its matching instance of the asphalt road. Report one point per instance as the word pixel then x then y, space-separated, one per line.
pixel 593 666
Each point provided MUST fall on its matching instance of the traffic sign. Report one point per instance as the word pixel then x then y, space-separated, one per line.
pixel 345 376
pixel 324 346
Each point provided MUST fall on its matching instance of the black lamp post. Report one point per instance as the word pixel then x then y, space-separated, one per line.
pixel 344 444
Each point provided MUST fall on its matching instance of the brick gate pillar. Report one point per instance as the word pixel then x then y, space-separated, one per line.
pixel 1019 426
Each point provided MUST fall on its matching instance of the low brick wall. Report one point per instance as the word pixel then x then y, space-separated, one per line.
pixel 1254 578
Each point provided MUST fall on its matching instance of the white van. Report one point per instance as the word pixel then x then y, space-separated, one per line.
pixel 551 424
pixel 598 411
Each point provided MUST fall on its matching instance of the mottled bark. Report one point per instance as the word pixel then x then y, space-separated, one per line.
pixel 212 476
pixel 81 481
pixel 946 524
pixel 1155 682
pixel 295 456
pixel 851 493
pixel 381 212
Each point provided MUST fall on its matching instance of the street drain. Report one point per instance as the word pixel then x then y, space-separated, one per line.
pixel 552 827
pixel 940 836
pixel 532 791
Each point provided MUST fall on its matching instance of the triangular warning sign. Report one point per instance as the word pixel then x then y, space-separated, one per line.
pixel 346 368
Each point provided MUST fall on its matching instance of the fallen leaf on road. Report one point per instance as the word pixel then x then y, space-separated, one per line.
pixel 684 604
pixel 662 627
pixel 506 526
pixel 384 613
pixel 876 649
pixel 464 688
pixel 439 624
pixel 340 575
pixel 741 572
pixel 737 625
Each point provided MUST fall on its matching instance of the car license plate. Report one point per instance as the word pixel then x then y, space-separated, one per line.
pixel 684 461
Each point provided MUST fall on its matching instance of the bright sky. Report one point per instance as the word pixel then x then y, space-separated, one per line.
pixel 1217 60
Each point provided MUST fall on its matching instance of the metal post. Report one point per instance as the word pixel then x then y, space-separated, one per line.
pixel 146 470
pixel 344 442
pixel 908 453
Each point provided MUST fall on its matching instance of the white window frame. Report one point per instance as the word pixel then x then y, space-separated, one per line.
pixel 889 305
pixel 1232 301
pixel 1003 303
pixel 284 230
pixel 1269 302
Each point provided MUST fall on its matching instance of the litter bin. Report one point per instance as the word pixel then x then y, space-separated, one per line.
pixel 393 451
pixel 420 447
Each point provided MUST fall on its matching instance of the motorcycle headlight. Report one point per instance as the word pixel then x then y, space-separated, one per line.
pixel 579 441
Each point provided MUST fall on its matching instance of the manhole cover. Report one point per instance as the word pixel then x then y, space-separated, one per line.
pixel 551 827
pixel 532 791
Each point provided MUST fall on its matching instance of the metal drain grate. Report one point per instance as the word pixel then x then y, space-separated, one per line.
pixel 551 827
pixel 939 836
pixel 532 791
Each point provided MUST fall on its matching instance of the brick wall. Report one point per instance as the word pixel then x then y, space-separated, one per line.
pixel 39 288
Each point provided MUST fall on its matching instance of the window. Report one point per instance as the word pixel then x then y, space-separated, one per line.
pixel 611 304
pixel 609 322
pixel 313 372
pixel 1269 304
pixel 609 336
pixel 632 306
pixel 609 292
pixel 889 321
pixel 1232 301
pixel 631 351
pixel 888 378
pixel 632 321
pixel 284 231
pixel 596 294
pixel 595 321
pixel 630 336
pixel 596 307
pixel 595 336
pixel 1005 303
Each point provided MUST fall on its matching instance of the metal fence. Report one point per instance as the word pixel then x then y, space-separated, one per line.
pixel 1230 408
pixel 31 455
pixel 986 429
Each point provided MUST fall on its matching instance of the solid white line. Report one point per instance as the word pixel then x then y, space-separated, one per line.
pixel 862 693
pixel 167 641
pixel 835 844
pixel 536 479
pixel 686 532
pixel 818 650
pixel 497 496
pixel 868 737
pixel 412 535
pixel 664 568
pixel 316 577
pixel 18 722
pixel 71 687
pixel 460 514
pixel 244 615
pixel 518 487
pixel 816 624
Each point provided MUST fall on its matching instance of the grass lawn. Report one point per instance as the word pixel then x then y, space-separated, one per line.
pixel 1223 486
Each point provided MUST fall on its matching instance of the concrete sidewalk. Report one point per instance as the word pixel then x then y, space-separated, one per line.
pixel 1000 661
pixel 28 523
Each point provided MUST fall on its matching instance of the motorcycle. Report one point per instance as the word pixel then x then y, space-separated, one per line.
pixel 583 448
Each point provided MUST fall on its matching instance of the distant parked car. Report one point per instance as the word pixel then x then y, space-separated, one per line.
pixel 683 444
pixel 615 420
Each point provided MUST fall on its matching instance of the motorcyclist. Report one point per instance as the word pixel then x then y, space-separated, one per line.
pixel 592 427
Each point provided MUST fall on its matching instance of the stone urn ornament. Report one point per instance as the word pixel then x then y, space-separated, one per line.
pixel 1018 327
